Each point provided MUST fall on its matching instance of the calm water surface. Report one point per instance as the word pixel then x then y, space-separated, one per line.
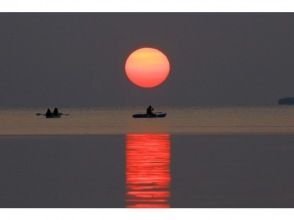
pixel 222 120
pixel 196 157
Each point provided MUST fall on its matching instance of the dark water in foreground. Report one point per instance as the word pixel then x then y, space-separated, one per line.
pixel 147 170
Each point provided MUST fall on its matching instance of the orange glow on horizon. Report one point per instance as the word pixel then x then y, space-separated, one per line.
pixel 147 170
pixel 147 67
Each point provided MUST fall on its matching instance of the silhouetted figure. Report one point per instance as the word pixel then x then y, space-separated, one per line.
pixel 55 112
pixel 149 110
pixel 48 113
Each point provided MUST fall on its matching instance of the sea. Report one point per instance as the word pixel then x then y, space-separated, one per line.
pixel 195 157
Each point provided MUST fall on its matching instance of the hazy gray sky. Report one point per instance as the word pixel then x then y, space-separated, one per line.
pixel 78 59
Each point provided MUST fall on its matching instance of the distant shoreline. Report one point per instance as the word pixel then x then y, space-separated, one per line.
pixel 286 101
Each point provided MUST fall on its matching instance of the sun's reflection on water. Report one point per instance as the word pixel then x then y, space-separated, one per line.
pixel 147 170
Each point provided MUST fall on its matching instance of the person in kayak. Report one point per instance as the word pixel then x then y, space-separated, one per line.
pixel 149 110
pixel 56 112
pixel 48 113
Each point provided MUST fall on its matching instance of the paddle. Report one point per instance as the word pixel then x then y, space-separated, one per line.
pixel 38 114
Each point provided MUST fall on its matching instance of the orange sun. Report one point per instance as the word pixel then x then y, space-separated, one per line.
pixel 147 67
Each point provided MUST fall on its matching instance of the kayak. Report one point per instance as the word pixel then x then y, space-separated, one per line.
pixel 52 115
pixel 154 115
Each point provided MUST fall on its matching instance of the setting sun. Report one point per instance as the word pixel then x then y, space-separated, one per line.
pixel 147 67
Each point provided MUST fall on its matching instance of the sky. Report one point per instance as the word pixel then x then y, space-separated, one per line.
pixel 77 59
